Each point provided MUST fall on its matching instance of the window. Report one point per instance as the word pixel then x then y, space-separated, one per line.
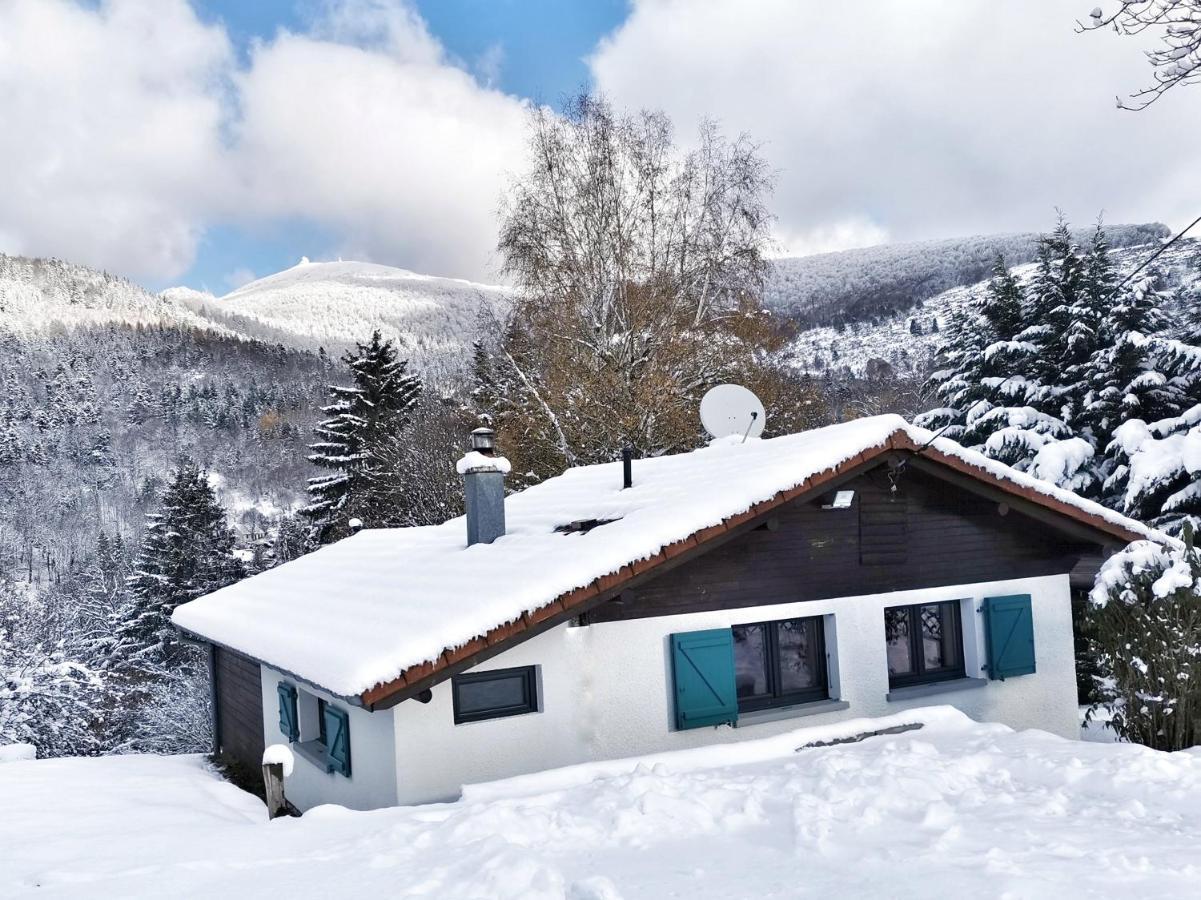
pixel 322 733
pixel 780 663
pixel 494 695
pixel 925 643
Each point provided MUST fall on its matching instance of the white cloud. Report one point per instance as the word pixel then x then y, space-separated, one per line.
pixel 109 131
pixel 921 118
pixel 844 235
pixel 130 127
pixel 400 152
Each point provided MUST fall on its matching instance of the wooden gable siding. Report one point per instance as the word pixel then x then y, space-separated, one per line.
pixel 239 690
pixel 946 536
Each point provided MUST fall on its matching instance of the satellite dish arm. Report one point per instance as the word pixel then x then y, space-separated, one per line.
pixel 746 434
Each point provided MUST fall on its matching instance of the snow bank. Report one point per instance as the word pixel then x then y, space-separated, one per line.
pixel 711 757
pixel 955 809
pixel 359 612
pixel 17 752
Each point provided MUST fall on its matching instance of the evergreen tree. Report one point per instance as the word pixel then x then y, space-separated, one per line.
pixel 103 586
pixel 1043 377
pixel 1154 475
pixel 992 381
pixel 1002 303
pixel 188 551
pixel 362 418
pixel 957 383
pixel 1125 375
pixel 1053 297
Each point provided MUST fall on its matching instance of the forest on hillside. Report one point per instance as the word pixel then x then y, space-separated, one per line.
pixel 875 284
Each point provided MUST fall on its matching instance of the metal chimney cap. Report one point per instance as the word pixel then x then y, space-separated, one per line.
pixel 483 439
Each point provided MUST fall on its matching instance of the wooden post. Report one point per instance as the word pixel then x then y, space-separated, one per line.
pixel 273 780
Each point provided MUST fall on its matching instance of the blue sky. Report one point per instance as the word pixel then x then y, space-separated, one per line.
pixel 533 49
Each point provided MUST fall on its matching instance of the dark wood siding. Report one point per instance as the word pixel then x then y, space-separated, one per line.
pixel 944 535
pixel 239 708
pixel 883 528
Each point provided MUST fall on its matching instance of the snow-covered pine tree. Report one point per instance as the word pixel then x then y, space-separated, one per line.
pixel 1048 394
pixel 1059 327
pixel 1126 375
pixel 362 417
pixel 103 589
pixel 188 551
pixel 988 390
pixel 1156 470
pixel 958 383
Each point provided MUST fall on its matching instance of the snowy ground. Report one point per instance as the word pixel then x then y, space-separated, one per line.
pixel 954 809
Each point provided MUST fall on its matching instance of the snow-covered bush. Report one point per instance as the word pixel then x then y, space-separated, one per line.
pixel 172 711
pixel 1145 631
pixel 49 696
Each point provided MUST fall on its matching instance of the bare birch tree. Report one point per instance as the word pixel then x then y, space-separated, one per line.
pixel 640 266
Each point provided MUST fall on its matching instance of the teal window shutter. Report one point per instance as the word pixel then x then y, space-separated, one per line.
pixel 337 736
pixel 702 665
pixel 1009 634
pixel 289 723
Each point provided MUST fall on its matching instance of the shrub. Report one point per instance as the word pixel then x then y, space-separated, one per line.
pixel 1146 637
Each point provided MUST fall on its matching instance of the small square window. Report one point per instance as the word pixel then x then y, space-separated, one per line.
pixel 924 643
pixel 310 709
pixel 493 695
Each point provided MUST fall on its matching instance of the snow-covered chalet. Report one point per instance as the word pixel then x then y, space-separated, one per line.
pixel 854 570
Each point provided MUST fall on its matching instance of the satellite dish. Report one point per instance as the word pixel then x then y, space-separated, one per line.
pixel 730 409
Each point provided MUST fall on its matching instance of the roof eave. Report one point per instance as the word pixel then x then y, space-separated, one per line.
pixel 197 637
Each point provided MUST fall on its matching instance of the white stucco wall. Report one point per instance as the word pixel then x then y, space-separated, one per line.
pixel 607 692
pixel 372 781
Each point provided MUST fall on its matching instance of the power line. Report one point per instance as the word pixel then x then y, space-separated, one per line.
pixel 1156 254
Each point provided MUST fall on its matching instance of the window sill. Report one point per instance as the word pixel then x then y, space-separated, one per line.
pixel 914 691
pixel 314 752
pixel 816 708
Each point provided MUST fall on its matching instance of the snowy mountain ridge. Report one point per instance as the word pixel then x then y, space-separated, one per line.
pixel 873 283
pixel 40 295
pixel 334 304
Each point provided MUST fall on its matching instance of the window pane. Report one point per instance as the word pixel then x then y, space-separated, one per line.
pixel 798 655
pixel 939 637
pixel 750 661
pixel 896 633
pixel 933 638
pixel 503 692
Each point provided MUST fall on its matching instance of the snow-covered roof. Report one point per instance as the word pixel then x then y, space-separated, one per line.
pixel 359 613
